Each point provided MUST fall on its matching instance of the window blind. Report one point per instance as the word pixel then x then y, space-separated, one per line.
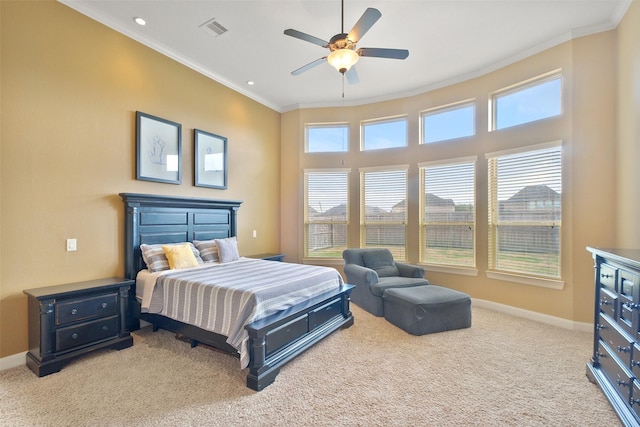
pixel 326 213
pixel 525 211
pixel 383 210
pixel 447 212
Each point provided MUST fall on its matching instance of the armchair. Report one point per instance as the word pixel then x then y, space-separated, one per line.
pixel 372 271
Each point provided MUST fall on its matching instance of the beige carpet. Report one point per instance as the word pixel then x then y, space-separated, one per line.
pixel 503 371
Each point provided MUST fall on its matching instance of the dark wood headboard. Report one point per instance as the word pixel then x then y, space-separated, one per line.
pixel 153 219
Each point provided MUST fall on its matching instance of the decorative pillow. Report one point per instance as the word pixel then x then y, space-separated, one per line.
pixel 227 249
pixel 381 262
pixel 180 256
pixel 208 249
pixel 156 260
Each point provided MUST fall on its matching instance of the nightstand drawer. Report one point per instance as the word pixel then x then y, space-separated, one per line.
pixel 86 333
pixel 86 308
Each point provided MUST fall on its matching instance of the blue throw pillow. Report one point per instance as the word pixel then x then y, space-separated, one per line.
pixel 380 261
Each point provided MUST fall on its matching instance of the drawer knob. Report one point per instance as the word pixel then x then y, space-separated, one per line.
pixel 622 383
pixel 105 328
pixel 631 305
pixel 74 311
pixel 74 336
pixel 103 305
pixel 605 302
pixel 635 363
pixel 600 326
pixel 624 349
pixel 606 276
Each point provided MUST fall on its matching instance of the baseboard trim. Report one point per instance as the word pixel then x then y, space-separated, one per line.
pixel 13 361
pixel 533 315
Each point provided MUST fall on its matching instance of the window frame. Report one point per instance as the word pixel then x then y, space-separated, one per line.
pixel 518 87
pixel 327 125
pixel 306 219
pixel 364 223
pixel 445 109
pixel 455 268
pixel 553 282
pixel 399 118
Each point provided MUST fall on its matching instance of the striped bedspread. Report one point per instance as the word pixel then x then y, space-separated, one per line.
pixel 223 298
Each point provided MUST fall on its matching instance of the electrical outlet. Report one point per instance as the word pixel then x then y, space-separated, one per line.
pixel 255 233
pixel 72 245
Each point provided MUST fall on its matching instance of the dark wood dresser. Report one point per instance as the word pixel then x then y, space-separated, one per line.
pixel 68 321
pixel 615 365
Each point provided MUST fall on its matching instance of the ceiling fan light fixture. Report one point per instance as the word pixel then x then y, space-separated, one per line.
pixel 343 59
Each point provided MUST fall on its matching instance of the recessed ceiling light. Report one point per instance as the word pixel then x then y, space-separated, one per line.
pixel 251 82
pixel 139 21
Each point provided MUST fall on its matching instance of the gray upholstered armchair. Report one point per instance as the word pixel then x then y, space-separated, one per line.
pixel 372 271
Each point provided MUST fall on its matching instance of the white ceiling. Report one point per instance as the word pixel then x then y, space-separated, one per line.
pixel 448 41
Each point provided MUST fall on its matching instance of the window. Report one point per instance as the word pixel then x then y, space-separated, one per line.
pixel 447 213
pixel 533 100
pixel 525 210
pixel 327 138
pixel 326 213
pixel 386 133
pixel 383 209
pixel 450 122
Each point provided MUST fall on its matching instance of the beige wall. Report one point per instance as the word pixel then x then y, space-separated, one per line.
pixel 70 89
pixel 628 143
pixel 587 129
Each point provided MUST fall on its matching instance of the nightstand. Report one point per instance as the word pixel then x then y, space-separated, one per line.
pixel 71 320
pixel 268 256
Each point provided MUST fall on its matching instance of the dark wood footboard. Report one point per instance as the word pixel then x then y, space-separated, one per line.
pixel 277 339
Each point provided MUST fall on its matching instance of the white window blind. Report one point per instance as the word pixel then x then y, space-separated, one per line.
pixel 383 210
pixel 326 213
pixel 525 211
pixel 447 213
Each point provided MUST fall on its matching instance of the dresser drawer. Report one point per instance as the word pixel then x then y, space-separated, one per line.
pixel 86 308
pixel 608 277
pixel 620 378
pixel 86 333
pixel 617 341
pixel 635 398
pixel 608 302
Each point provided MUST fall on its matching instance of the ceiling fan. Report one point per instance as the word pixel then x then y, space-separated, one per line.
pixel 343 53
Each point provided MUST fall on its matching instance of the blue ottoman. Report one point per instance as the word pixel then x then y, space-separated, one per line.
pixel 427 309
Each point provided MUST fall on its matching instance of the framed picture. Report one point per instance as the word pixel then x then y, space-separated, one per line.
pixel 210 160
pixel 158 149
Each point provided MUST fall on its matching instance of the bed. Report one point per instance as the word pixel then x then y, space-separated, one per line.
pixel 271 340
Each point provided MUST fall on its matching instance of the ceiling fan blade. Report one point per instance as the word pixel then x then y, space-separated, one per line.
pixel 306 37
pixel 352 76
pixel 383 53
pixel 309 66
pixel 366 21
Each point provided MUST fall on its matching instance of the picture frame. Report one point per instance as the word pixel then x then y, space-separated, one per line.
pixel 210 160
pixel 158 149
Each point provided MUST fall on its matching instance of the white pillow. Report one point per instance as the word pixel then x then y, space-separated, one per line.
pixel 227 249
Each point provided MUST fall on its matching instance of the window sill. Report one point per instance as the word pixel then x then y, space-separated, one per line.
pixel 323 261
pixel 450 270
pixel 527 280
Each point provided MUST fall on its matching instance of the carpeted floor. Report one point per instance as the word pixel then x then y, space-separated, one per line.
pixel 503 371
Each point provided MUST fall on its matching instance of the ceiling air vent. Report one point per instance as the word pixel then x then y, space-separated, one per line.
pixel 214 28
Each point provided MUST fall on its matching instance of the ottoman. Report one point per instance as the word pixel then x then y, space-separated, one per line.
pixel 427 309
